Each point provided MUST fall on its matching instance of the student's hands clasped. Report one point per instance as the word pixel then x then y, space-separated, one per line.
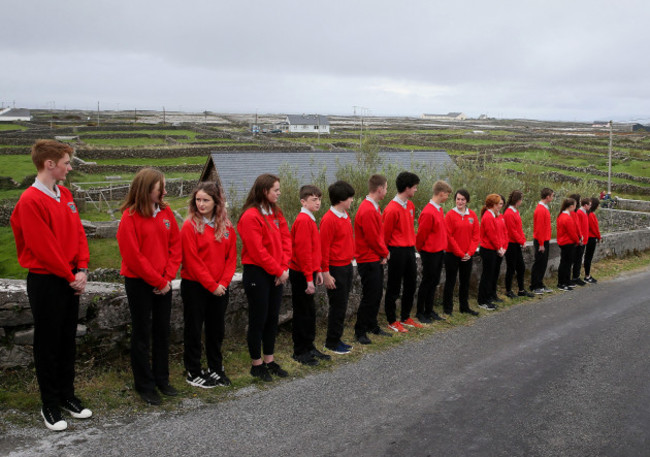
pixel 79 283
pixel 220 291
pixel 329 280
pixel 164 290
pixel 282 279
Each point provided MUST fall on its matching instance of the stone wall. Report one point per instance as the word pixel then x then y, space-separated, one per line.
pixel 104 314
pixel 633 205
pixel 617 220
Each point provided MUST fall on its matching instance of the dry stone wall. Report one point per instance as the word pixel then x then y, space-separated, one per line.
pixel 104 320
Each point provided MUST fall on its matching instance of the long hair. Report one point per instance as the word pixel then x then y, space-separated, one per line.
pixel 490 201
pixel 221 221
pixel 257 195
pixel 138 199
pixel 514 197
pixel 565 204
pixel 594 204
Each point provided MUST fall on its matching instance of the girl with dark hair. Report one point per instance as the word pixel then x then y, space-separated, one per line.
pixel 594 238
pixel 503 231
pixel 150 245
pixel 516 241
pixel 491 248
pixel 567 240
pixel 209 262
pixel 265 255
pixel 462 240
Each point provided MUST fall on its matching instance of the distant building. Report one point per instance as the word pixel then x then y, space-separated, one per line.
pixel 308 123
pixel 236 170
pixel 445 117
pixel 15 115
pixel 600 124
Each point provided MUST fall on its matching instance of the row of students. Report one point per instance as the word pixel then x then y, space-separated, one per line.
pixel 52 244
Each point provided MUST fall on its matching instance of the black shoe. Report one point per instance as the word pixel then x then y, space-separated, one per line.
pixel 496 299
pixel 489 306
pixel 563 287
pixel 510 294
pixel 469 311
pixel 378 331
pixel 436 317
pixel 525 293
pixel 201 380
pixel 423 319
pixel 579 282
pixel 219 377
pixel 151 398
pixel 315 353
pixel 305 359
pixel 276 370
pixel 590 280
pixel 363 339
pixel 75 408
pixel 261 372
pixel 168 390
pixel 53 419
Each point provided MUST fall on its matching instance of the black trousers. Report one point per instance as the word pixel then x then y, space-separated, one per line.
pixel 486 286
pixel 55 308
pixel 495 277
pixel 304 314
pixel 338 299
pixel 515 263
pixel 432 263
pixel 567 253
pixel 202 309
pixel 150 315
pixel 589 254
pixel 577 260
pixel 372 289
pixel 538 270
pixel 454 266
pixel 401 268
pixel 264 300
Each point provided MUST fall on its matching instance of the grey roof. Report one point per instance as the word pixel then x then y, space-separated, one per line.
pixel 238 170
pixel 17 112
pixel 307 119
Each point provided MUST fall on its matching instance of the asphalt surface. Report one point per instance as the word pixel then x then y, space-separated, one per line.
pixel 566 375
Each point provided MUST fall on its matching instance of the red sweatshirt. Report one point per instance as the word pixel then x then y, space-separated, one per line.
pixel 266 241
pixel 368 234
pixel 594 228
pixel 150 247
pixel 567 232
pixel 49 236
pixel 541 224
pixel 305 246
pixel 583 222
pixel 503 231
pixel 515 227
pixel 574 217
pixel 491 234
pixel 337 241
pixel 206 260
pixel 399 224
pixel 463 233
pixel 432 231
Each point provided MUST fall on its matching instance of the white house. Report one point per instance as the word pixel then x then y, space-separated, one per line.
pixel 312 123
pixel 15 115
pixel 445 117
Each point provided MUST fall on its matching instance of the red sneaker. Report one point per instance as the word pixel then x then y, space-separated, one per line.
pixel 397 327
pixel 411 323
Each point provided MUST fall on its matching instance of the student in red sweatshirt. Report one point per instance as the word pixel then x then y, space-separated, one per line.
pixel 209 261
pixel 51 243
pixel 399 235
pixel 541 239
pixel 337 249
pixel 371 254
pixel 503 232
pixel 491 248
pixel 463 235
pixel 516 241
pixel 594 238
pixel 150 244
pixel 582 218
pixel 305 275
pixel 575 264
pixel 265 255
pixel 567 239
pixel 431 242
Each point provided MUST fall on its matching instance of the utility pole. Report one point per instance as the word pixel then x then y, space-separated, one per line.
pixel 98 114
pixel 609 166
pixel 163 115
pixel 135 116
pixel 318 117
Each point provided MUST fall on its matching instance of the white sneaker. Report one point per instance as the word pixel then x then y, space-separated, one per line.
pixel 53 419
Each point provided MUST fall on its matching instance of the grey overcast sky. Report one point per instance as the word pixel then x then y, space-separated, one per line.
pixel 536 59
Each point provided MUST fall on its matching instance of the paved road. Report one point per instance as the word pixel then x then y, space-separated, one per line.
pixel 564 376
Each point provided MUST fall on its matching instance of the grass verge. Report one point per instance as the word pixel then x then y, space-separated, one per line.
pixel 107 387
